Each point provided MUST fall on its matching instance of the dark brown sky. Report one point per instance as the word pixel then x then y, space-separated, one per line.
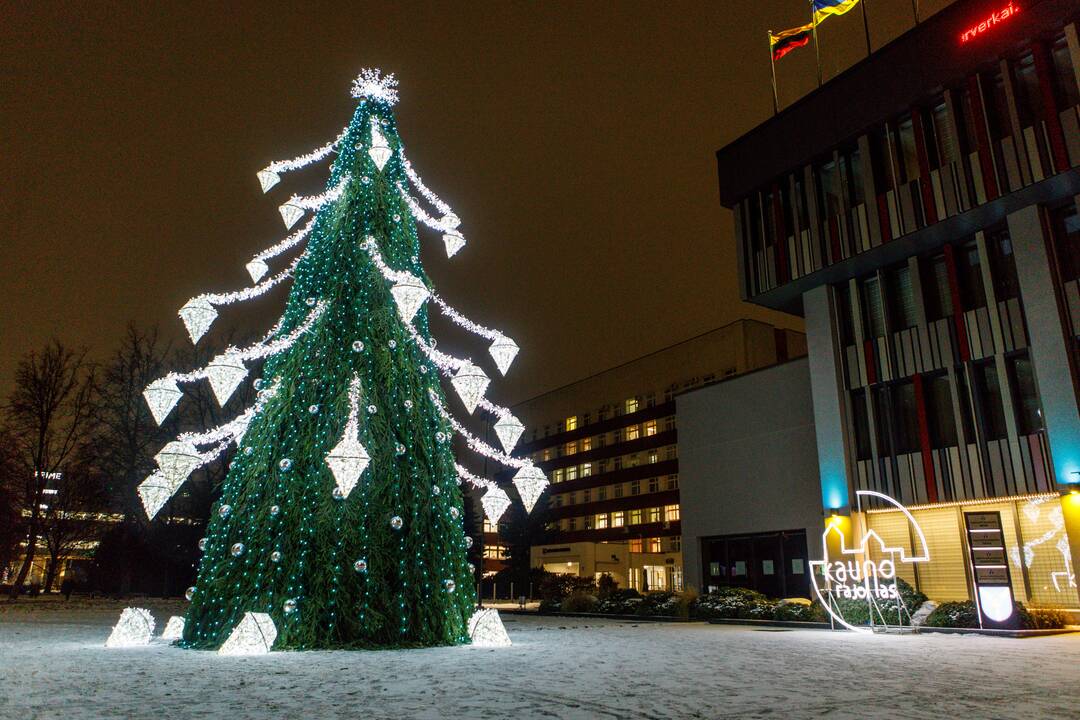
pixel 575 140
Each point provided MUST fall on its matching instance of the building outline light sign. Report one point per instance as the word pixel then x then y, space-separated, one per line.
pixel 995 17
pixel 852 578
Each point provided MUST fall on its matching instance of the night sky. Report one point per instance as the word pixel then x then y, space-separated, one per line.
pixel 575 140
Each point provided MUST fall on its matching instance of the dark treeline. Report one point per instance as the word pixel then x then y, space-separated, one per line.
pixel 76 439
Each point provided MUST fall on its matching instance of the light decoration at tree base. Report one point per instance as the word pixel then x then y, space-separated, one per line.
pixel 348 459
pixel 253 635
pixel 134 629
pixel 174 628
pixel 486 629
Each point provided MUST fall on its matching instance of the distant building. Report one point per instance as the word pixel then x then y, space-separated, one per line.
pixel 749 468
pixel 609 445
pixel 922 212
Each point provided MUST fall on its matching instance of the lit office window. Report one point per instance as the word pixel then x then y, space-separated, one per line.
pixel 635 545
pixel 601 521
pixel 618 518
pixel 557 476
pixel 671 512
pixel 635 517
pixel 571 473
pixel 571 448
pixel 650 428
pixel 652 515
pixel 633 432
pixel 571 422
pixel 585 444
pixel 586 469
pixel 654 545
pixel 631 405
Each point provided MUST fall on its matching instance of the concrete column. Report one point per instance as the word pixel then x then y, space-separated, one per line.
pixel 1049 357
pixel 826 386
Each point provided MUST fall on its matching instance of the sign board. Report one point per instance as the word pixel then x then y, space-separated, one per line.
pixel 989 567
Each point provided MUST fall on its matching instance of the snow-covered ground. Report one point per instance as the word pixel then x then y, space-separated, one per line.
pixel 53 665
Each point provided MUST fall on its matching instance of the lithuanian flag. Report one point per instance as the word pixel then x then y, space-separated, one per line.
pixel 825 8
pixel 784 42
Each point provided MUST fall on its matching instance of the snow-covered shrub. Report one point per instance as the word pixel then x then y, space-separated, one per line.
pixel 727 602
pixel 579 601
pixel 965 614
pixel 857 612
pixel 791 611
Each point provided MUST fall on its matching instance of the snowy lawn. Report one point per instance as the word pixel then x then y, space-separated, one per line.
pixel 53 665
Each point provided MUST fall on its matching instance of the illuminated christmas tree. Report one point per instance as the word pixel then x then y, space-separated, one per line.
pixel 341 515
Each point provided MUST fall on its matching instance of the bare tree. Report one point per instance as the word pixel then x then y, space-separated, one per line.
pixel 126 435
pixel 48 415
pixel 10 510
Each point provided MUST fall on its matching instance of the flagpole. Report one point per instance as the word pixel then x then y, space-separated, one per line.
pixel 817 48
pixel 772 69
pixel 866 26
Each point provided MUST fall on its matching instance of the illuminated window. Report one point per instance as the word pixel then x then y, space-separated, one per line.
pixel 618 518
pixel 571 473
pixel 635 545
pixel 652 514
pixel 586 444
pixel 671 512
pixel 635 487
pixel 635 517
pixel 496 552
pixel 633 432
pixel 571 448
pixel 557 476
pixel 601 521
pixel 654 484
pixel 586 470
pixel 654 545
pixel 654 457
pixel 650 428
pixel 571 422
pixel 631 405
pixel 547 453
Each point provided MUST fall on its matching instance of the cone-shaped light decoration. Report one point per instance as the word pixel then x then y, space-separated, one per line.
pixel 161 397
pixel 347 462
pixel 198 315
pixel 530 483
pixel 155 491
pixel 495 503
pixel 290 214
pixel 509 430
pixel 380 149
pixel 470 382
pixel 253 635
pixel 174 628
pixel 503 351
pixel 267 179
pixel 486 629
pixel 177 460
pixel 409 294
pixel 257 270
pixel 225 373
pixel 134 628
pixel 454 241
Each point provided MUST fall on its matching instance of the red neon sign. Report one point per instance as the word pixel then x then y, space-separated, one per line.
pixel 995 17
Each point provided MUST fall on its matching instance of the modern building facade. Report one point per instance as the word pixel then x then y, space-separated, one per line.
pixel 920 210
pixel 749 465
pixel 609 445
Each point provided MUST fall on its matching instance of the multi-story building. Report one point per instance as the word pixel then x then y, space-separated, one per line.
pixel 610 448
pixel 920 210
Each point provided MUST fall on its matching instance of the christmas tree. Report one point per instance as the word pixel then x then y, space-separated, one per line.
pixel 341 515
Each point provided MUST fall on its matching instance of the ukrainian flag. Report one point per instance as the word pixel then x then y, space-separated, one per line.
pixel 784 42
pixel 825 8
